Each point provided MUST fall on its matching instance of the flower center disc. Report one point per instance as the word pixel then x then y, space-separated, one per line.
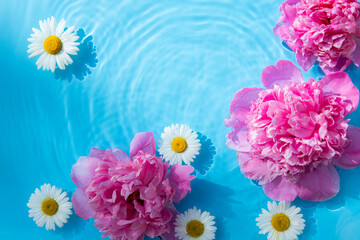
pixel 195 228
pixel 280 222
pixel 52 45
pixel 49 206
pixel 178 144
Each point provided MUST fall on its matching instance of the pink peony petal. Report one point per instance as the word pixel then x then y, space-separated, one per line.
pixel 97 153
pixel 237 140
pixel 305 61
pixel 83 170
pixel 281 190
pixel 243 98
pixel 320 184
pixel 180 180
pixel 170 235
pixel 254 168
pixel 280 74
pixel 239 108
pixel 80 203
pixel 341 65
pixel 143 141
pixel 341 84
pixel 355 56
pixel 120 155
pixel 351 156
pixel 288 10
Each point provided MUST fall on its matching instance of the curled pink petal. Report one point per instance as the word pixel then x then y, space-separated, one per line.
pixel 280 74
pixel 351 156
pixel 341 84
pixel 84 170
pixel 96 153
pixel 143 141
pixel 80 203
pixel 180 180
pixel 305 60
pixel 239 108
pixel 243 98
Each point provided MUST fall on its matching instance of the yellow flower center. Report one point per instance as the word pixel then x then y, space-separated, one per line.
pixel 49 206
pixel 195 228
pixel 280 222
pixel 52 45
pixel 178 144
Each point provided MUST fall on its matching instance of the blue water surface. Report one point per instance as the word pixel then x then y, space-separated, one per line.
pixel 144 65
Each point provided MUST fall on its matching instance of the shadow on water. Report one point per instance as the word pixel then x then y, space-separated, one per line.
pixel 204 161
pixel 73 227
pixel 209 196
pixel 82 62
pixel 349 188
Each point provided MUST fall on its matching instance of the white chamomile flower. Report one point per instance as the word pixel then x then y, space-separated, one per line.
pixel 282 222
pixel 179 144
pixel 53 44
pixel 49 206
pixel 194 224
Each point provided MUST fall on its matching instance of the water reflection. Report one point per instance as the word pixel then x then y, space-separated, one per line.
pixel 204 161
pixel 74 226
pixel 83 61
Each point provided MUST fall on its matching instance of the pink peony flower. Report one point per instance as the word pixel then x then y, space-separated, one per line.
pixel 129 197
pixel 290 135
pixel 326 31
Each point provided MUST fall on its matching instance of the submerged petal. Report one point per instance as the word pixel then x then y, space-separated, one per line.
pixel 281 190
pixel 320 184
pixel 351 156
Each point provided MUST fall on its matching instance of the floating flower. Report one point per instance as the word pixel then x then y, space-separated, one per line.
pixel 179 144
pixel 129 197
pixel 49 206
pixel 282 222
pixel 194 224
pixel 290 136
pixel 53 44
pixel 326 31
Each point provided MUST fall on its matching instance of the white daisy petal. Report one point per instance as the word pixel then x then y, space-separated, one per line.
pixel 60 28
pixel 184 152
pixel 289 231
pixel 50 58
pixel 52 67
pixel 205 220
pixel 46 208
pixel 60 64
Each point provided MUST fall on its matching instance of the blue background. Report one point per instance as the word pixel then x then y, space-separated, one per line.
pixel 142 66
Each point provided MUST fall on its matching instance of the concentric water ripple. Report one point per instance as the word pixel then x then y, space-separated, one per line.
pixel 160 62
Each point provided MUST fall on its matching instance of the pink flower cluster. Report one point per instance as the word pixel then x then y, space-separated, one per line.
pixel 290 135
pixel 129 197
pixel 326 31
